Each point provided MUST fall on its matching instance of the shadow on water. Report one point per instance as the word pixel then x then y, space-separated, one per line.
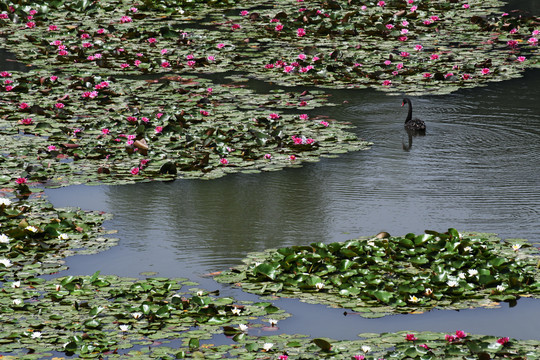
pixel 477 168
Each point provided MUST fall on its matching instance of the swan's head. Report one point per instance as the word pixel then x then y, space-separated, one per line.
pixel 405 101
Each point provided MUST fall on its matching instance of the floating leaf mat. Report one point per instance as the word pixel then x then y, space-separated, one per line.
pixel 414 273
pixel 107 316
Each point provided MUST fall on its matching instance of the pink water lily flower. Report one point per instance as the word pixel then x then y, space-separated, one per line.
pixel 300 32
pixel 485 71
pixel 223 161
pixel 410 337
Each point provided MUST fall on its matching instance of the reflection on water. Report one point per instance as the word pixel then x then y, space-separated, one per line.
pixel 477 168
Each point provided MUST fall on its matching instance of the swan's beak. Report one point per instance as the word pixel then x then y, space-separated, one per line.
pixel 402 104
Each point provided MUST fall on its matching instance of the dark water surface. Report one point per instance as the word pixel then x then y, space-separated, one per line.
pixel 477 168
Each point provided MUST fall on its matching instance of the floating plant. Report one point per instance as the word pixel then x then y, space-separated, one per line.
pixel 95 316
pixel 413 273
pixel 35 237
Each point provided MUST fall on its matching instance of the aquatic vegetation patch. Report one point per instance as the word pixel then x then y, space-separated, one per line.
pixel 96 316
pixel 399 345
pixel 425 47
pixel 413 273
pixel 87 129
pixel 35 237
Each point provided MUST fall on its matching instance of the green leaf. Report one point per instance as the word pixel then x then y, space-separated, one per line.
pixel 323 344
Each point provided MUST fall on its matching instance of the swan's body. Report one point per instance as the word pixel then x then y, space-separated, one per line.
pixel 411 124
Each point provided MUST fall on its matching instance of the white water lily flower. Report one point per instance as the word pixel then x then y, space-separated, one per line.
pixel 452 283
pixel 472 272
pixel 6 262
pixel 467 248
pixel 516 247
pixel 136 315
pixel 200 293
pixel 243 327
pixel 4 239
pixel 366 348
pixel 273 322
pixel 35 335
pixel 236 311
pixel 428 291
pixel 5 201
pixel 63 236
pixel 413 299
pixel 501 288
pixel 31 228
pixel 16 284
pixel 319 286
pixel 17 301
pixel 124 327
pixel 461 275
pixel 267 346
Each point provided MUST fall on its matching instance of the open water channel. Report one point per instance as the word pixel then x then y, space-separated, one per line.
pixel 477 169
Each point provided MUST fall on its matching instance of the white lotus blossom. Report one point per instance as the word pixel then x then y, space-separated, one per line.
pixel 35 335
pixel 124 327
pixel 467 248
pixel 136 315
pixel 413 299
pixel 31 228
pixel 428 291
pixel 63 236
pixel 17 301
pixel 5 201
pixel 366 348
pixel 319 286
pixel 4 239
pixel 243 327
pixel 236 311
pixel 461 275
pixel 267 346
pixel 452 283
pixel 200 293
pixel 501 288
pixel 516 247
pixel 16 284
pixel 273 322
pixel 472 272
pixel 6 262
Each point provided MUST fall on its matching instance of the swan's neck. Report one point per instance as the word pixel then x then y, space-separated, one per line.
pixel 409 115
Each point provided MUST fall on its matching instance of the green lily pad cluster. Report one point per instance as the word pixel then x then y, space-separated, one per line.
pixel 95 316
pixel 130 130
pixel 425 47
pixel 376 276
pixel 35 237
pixel 399 345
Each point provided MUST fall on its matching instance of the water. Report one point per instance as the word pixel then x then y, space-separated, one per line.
pixel 476 169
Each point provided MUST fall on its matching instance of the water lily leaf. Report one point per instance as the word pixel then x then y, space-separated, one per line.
pixel 383 296
pixel 323 344
pixel 267 270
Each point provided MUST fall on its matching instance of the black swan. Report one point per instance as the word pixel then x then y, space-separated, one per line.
pixel 411 124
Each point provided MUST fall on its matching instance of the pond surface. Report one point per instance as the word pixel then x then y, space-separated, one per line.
pixel 477 168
